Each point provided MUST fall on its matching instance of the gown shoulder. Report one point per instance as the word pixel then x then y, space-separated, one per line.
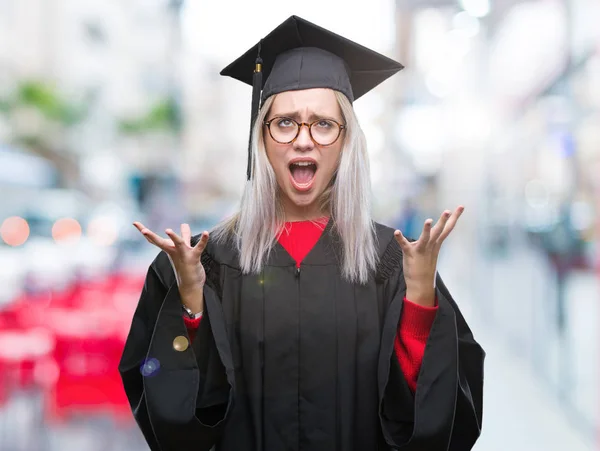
pixel 390 254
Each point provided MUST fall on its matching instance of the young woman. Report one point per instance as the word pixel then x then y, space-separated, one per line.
pixel 307 326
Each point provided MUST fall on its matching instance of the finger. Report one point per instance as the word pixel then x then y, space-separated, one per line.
pixel 176 238
pixel 153 238
pixel 201 244
pixel 186 234
pixel 401 239
pixel 451 223
pixel 437 230
pixel 138 225
pixel 163 243
pixel 425 234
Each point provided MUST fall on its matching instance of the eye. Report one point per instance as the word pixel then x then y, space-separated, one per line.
pixel 324 124
pixel 284 122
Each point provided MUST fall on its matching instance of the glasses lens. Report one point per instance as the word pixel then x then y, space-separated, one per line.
pixel 325 132
pixel 283 129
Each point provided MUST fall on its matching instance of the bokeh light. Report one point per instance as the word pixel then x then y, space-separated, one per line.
pixel 66 230
pixel 14 231
pixel 102 231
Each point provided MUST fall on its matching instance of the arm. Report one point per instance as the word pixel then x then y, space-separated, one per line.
pixel 179 398
pixel 445 410
pixel 409 344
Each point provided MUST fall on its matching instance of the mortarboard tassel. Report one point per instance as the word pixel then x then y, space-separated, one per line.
pixel 256 88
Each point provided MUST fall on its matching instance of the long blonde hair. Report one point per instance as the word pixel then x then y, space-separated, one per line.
pixel 255 227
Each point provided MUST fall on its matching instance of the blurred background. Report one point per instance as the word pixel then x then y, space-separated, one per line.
pixel 113 111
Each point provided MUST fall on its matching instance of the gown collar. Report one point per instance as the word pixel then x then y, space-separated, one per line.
pixel 326 250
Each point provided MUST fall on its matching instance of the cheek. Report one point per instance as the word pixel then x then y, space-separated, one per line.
pixel 276 157
pixel 330 162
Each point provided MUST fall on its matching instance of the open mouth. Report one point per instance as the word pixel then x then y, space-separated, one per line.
pixel 303 174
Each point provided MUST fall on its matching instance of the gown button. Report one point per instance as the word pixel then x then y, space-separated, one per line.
pixel 180 343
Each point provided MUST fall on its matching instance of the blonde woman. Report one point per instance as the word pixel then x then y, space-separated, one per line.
pixel 300 323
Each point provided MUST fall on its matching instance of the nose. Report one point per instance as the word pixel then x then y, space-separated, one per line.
pixel 304 142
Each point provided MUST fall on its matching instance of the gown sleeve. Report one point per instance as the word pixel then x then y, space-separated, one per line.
pixel 180 396
pixel 445 411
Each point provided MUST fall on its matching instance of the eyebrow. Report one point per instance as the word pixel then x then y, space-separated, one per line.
pixel 312 117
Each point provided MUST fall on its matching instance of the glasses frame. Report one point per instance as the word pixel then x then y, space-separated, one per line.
pixel 342 127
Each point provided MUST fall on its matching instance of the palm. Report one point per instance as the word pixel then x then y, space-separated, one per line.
pixel 420 257
pixel 184 258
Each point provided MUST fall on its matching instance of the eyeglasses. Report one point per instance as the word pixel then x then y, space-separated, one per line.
pixel 323 132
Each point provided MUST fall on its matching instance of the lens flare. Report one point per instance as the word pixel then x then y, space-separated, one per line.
pixel 150 367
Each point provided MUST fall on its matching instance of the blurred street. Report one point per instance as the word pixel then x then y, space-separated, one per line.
pixel 521 409
pixel 519 413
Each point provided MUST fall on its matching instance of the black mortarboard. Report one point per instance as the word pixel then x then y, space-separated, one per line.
pixel 301 55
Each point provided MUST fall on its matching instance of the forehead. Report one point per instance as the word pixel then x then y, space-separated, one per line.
pixel 312 101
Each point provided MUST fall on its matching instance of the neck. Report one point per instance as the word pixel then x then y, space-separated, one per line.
pixel 295 213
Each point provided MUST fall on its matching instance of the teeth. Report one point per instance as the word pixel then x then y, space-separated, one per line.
pixel 303 163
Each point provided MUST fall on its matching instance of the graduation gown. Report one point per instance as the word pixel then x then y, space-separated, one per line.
pixel 298 359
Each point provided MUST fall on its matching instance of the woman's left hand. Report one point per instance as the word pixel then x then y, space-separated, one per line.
pixel 420 257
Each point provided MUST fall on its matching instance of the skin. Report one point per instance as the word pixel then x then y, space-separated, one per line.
pixel 419 257
pixel 304 106
pixel 185 260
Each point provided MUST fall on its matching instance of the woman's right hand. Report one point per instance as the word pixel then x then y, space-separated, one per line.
pixel 184 258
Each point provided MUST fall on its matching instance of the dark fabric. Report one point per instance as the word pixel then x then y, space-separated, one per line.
pixel 179 401
pixel 299 360
pixel 447 405
pixel 300 55
pixel 306 68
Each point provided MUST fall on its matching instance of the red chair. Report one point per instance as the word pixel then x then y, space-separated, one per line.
pixel 70 346
pixel 87 353
pixel 20 352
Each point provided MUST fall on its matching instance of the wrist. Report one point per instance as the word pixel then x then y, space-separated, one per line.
pixel 189 313
pixel 421 295
pixel 190 287
pixel 192 299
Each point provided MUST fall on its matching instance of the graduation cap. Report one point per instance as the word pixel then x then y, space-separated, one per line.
pixel 301 55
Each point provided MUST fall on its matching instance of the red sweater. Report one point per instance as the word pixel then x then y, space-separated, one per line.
pixel 298 239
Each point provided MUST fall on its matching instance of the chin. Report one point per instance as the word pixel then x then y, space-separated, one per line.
pixel 302 199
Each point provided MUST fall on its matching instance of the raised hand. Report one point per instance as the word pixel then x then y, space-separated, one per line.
pixel 184 258
pixel 420 257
